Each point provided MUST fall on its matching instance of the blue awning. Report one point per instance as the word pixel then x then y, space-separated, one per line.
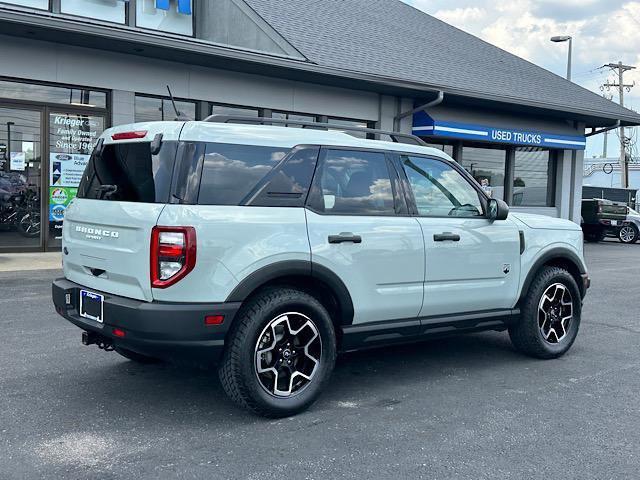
pixel 426 126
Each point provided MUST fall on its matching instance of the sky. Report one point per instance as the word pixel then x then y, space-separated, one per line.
pixel 603 31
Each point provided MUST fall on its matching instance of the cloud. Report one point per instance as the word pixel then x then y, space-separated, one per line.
pixel 604 31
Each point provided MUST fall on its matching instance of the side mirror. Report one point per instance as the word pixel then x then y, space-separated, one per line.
pixel 498 210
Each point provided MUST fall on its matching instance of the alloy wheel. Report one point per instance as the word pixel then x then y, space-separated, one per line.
pixel 287 354
pixel 627 234
pixel 30 225
pixel 555 312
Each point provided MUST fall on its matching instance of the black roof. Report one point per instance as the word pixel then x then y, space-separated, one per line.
pixel 390 39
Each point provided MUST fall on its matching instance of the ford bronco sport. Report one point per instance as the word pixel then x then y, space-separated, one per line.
pixel 267 250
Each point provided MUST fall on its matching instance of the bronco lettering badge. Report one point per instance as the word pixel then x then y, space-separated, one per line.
pixel 94 233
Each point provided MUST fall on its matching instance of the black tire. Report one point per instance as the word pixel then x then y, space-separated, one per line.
pixel 238 371
pixel 29 225
pixel 136 357
pixel 626 238
pixel 594 236
pixel 526 333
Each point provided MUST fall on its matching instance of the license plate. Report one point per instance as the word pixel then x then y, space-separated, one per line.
pixel 614 223
pixel 92 306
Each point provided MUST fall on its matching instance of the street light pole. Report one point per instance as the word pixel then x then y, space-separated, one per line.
pixel 569 59
pixel 566 38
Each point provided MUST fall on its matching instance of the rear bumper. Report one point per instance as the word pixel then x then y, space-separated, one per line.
pixel 171 331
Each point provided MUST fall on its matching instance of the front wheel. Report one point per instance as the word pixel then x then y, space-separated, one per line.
pixel 550 315
pixel 280 353
pixel 29 225
pixel 628 234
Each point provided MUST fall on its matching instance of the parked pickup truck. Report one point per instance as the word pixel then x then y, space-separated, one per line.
pixel 602 217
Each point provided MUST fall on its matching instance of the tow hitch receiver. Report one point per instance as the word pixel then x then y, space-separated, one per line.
pixel 90 338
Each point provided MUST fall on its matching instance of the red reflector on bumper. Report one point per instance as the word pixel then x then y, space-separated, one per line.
pixel 119 333
pixel 213 319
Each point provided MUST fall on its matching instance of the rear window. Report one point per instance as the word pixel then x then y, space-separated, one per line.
pixel 128 172
pixel 230 172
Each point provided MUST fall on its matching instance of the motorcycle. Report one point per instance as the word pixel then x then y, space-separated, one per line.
pixel 21 211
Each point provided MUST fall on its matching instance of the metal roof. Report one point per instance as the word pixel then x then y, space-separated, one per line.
pixel 389 38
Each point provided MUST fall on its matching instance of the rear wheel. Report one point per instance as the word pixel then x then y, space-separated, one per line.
pixel 280 353
pixel 550 315
pixel 628 234
pixel 594 235
pixel 136 357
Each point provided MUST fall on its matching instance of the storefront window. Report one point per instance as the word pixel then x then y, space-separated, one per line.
pixel 234 110
pixel 173 16
pixel 107 10
pixel 41 4
pixel 293 117
pixel 533 178
pixel 448 149
pixel 47 94
pixel 151 109
pixel 20 177
pixel 487 166
pixel 351 123
pixel 71 141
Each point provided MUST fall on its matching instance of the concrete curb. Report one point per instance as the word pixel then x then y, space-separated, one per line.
pixel 13 262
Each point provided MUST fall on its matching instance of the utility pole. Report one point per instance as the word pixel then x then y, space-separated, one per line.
pixel 621 68
pixel 605 148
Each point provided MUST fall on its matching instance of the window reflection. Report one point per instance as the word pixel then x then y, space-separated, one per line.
pixel 218 109
pixel 174 16
pixel 230 171
pixel 355 183
pixel 439 190
pixel 20 178
pixel 48 94
pixel 487 166
pixel 39 4
pixel 108 11
pixel 533 178
pixel 152 109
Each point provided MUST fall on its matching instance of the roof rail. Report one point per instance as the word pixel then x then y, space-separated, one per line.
pixel 395 136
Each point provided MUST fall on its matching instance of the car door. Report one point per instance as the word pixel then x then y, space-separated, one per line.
pixel 472 263
pixel 359 228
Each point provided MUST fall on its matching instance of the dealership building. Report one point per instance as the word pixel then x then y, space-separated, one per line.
pixel 71 68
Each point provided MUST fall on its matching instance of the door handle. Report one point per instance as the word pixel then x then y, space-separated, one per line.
pixel 344 238
pixel 446 237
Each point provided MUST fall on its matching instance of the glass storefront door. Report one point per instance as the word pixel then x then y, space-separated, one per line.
pixel 40 174
pixel 47 133
pixel 72 136
pixel 20 178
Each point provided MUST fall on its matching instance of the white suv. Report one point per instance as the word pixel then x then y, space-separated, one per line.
pixel 267 250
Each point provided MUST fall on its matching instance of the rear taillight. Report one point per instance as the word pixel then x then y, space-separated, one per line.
pixel 173 254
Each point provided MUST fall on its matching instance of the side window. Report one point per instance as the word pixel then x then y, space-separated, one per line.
pixel 288 184
pixel 230 172
pixel 353 183
pixel 440 190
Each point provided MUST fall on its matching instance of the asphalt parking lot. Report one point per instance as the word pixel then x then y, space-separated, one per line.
pixel 464 408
